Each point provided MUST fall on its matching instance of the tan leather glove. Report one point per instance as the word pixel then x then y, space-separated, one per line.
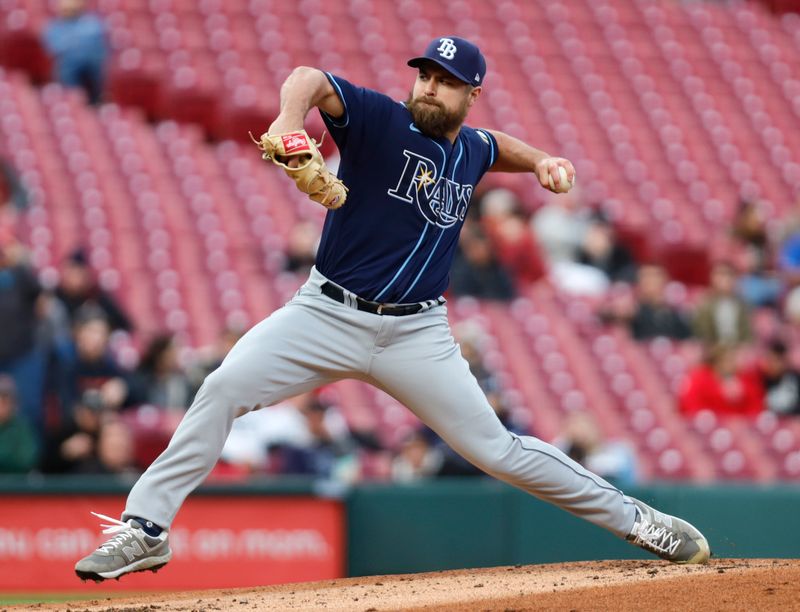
pixel 311 175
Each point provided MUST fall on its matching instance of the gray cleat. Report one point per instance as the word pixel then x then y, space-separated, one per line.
pixel 668 536
pixel 130 550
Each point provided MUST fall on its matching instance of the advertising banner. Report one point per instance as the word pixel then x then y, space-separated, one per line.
pixel 217 542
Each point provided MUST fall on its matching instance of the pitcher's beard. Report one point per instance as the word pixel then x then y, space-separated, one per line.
pixel 433 119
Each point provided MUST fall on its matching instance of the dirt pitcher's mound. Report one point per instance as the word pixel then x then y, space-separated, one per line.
pixel 724 584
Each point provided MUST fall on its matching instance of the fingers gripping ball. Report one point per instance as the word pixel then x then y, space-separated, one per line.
pixel 564 184
pixel 309 171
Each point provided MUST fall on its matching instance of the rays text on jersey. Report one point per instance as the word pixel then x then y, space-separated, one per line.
pixel 442 201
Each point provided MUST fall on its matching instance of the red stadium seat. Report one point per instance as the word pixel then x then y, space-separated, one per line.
pixel 137 88
pixel 21 49
pixel 189 105
pixel 687 263
pixel 236 121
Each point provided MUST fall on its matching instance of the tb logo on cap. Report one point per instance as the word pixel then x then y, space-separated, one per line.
pixel 447 49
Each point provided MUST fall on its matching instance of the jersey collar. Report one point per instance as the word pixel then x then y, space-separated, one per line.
pixel 442 141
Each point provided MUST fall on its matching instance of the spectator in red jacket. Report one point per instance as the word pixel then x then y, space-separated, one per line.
pixel 512 238
pixel 721 386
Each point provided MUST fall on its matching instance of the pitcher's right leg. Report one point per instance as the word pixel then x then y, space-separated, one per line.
pixel 299 347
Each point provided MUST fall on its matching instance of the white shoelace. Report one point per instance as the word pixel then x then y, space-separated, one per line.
pixel 658 539
pixel 123 530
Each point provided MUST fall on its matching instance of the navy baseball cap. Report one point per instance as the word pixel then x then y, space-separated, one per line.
pixel 458 56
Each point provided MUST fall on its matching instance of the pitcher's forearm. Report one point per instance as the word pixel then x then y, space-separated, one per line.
pixel 513 155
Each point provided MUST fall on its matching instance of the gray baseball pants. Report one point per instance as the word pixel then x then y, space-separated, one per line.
pixel 314 340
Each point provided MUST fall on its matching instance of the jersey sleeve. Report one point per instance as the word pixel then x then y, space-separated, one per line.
pixel 488 148
pixel 362 107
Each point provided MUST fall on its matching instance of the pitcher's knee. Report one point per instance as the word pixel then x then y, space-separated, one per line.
pixel 228 388
pixel 497 457
pixel 492 461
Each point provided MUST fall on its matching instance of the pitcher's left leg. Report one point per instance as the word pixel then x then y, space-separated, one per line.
pixel 423 368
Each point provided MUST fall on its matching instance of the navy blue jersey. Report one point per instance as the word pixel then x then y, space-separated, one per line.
pixel 394 239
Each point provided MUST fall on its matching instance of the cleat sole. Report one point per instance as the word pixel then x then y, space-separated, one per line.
pixel 84 576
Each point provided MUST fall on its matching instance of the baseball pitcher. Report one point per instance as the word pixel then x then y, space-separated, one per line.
pixel 372 308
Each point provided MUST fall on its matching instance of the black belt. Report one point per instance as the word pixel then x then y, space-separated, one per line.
pixel 393 310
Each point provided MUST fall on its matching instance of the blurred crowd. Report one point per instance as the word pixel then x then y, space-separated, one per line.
pixel 66 400
pixel 743 320
pixel 70 404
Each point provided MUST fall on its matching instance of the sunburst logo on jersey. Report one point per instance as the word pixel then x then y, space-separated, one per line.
pixel 425 178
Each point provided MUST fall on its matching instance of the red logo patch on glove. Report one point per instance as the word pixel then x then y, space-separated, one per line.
pixel 294 142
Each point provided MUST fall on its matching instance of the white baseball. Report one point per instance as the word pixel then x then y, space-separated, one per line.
pixel 564 184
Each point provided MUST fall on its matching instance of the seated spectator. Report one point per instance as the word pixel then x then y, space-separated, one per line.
pixel 781 381
pixel 55 325
pixel 18 443
pixel 476 271
pixel 790 224
pixel 159 379
pixel 789 256
pixel 417 459
pixel 788 261
pixel 13 195
pixel 560 226
pixel 209 358
pixel 722 317
pixel 20 357
pixel 329 450
pixel 511 237
pixel 87 363
pixel 789 270
pixel 791 307
pixel 114 450
pixel 301 249
pixel 471 340
pixel 506 416
pixel 93 441
pixel 720 385
pixel 582 440
pixel 653 316
pixel 254 434
pixel 78 287
pixel 580 256
pixel 76 40
pixel 758 283
pixel 72 447
pixel 601 250
pixel 749 229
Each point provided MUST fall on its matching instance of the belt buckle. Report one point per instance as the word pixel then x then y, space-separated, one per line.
pixel 380 309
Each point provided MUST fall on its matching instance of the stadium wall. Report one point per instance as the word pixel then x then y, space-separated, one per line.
pixel 286 531
pixel 446 525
